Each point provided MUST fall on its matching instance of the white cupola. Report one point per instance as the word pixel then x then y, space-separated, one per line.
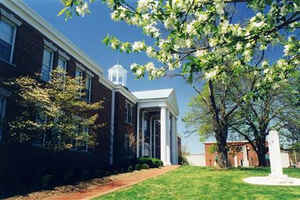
pixel 118 75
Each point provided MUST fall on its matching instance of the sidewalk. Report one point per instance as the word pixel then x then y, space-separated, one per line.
pixel 119 181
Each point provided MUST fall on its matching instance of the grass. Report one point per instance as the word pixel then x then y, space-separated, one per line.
pixel 192 183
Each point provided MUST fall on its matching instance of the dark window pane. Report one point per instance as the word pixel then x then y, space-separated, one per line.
pixel 5 50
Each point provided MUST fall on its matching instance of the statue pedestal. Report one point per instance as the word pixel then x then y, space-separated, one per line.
pixel 276 177
pixel 271 180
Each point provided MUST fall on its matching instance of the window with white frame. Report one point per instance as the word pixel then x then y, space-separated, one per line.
pixel 79 74
pixel 128 112
pixel 79 77
pixel 88 85
pixel 7 39
pixel 47 64
pixel 62 64
pixel 2 114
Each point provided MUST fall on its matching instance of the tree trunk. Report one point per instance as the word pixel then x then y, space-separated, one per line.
pixel 222 152
pixel 261 151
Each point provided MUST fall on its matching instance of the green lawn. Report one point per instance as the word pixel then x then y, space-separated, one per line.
pixel 203 183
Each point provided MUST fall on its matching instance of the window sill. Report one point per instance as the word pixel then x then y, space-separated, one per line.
pixel 6 62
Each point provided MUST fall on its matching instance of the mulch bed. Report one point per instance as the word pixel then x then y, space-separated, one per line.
pixel 95 187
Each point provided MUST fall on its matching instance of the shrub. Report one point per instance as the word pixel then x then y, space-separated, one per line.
pixel 130 168
pixel 182 160
pixel 151 162
pixel 145 166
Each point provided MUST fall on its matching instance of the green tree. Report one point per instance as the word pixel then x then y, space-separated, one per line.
pixel 260 114
pixel 54 114
pixel 192 37
pixel 211 114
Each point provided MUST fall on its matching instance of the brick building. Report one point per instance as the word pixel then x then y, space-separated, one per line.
pixel 241 154
pixel 29 45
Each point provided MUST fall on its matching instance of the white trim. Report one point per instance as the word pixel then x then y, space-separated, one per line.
pixel 138 133
pixel 80 66
pixel 151 139
pixel 163 135
pixel 50 45
pixel 143 133
pixel 46 48
pixel 10 17
pixel 126 93
pixel 11 23
pixel 112 127
pixel 63 54
pixel 31 17
pixel 106 83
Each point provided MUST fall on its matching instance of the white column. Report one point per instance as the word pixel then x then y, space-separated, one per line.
pixel 275 155
pixel 154 139
pixel 143 133
pixel 235 161
pixel 112 128
pixel 168 154
pixel 173 139
pixel 163 134
pixel 151 155
pixel 138 133
pixel 245 157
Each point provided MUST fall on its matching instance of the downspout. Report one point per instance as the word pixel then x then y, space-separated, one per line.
pixel 112 127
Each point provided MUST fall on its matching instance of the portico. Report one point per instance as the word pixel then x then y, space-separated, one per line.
pixel 157 125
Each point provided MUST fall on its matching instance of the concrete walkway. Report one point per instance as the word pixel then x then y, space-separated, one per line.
pixel 118 182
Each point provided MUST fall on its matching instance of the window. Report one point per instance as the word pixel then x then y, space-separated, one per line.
pixel 47 65
pixel 128 112
pixel 88 85
pixel 62 64
pixel 2 114
pixel 7 39
pixel 79 74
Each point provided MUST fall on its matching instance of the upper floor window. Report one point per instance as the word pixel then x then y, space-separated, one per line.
pixel 47 64
pixel 7 39
pixel 88 85
pixel 79 74
pixel 128 112
pixel 62 64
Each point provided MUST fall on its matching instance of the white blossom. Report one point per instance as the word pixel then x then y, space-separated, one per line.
pixel 82 9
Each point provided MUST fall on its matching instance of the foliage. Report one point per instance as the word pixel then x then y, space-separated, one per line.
pixel 140 166
pixel 189 182
pixel 55 113
pixel 203 36
pixel 201 40
pixel 182 160
pixel 257 116
pixel 212 113
pixel 151 162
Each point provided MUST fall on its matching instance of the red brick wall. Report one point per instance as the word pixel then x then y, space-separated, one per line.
pixel 122 128
pixel 252 156
pixel 27 60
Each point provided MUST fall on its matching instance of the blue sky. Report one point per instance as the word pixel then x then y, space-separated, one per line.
pixel 87 33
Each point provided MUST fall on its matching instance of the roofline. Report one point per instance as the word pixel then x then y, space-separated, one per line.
pixel 35 20
pixel 126 93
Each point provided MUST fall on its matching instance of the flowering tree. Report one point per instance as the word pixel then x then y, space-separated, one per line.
pixel 197 39
pixel 53 114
